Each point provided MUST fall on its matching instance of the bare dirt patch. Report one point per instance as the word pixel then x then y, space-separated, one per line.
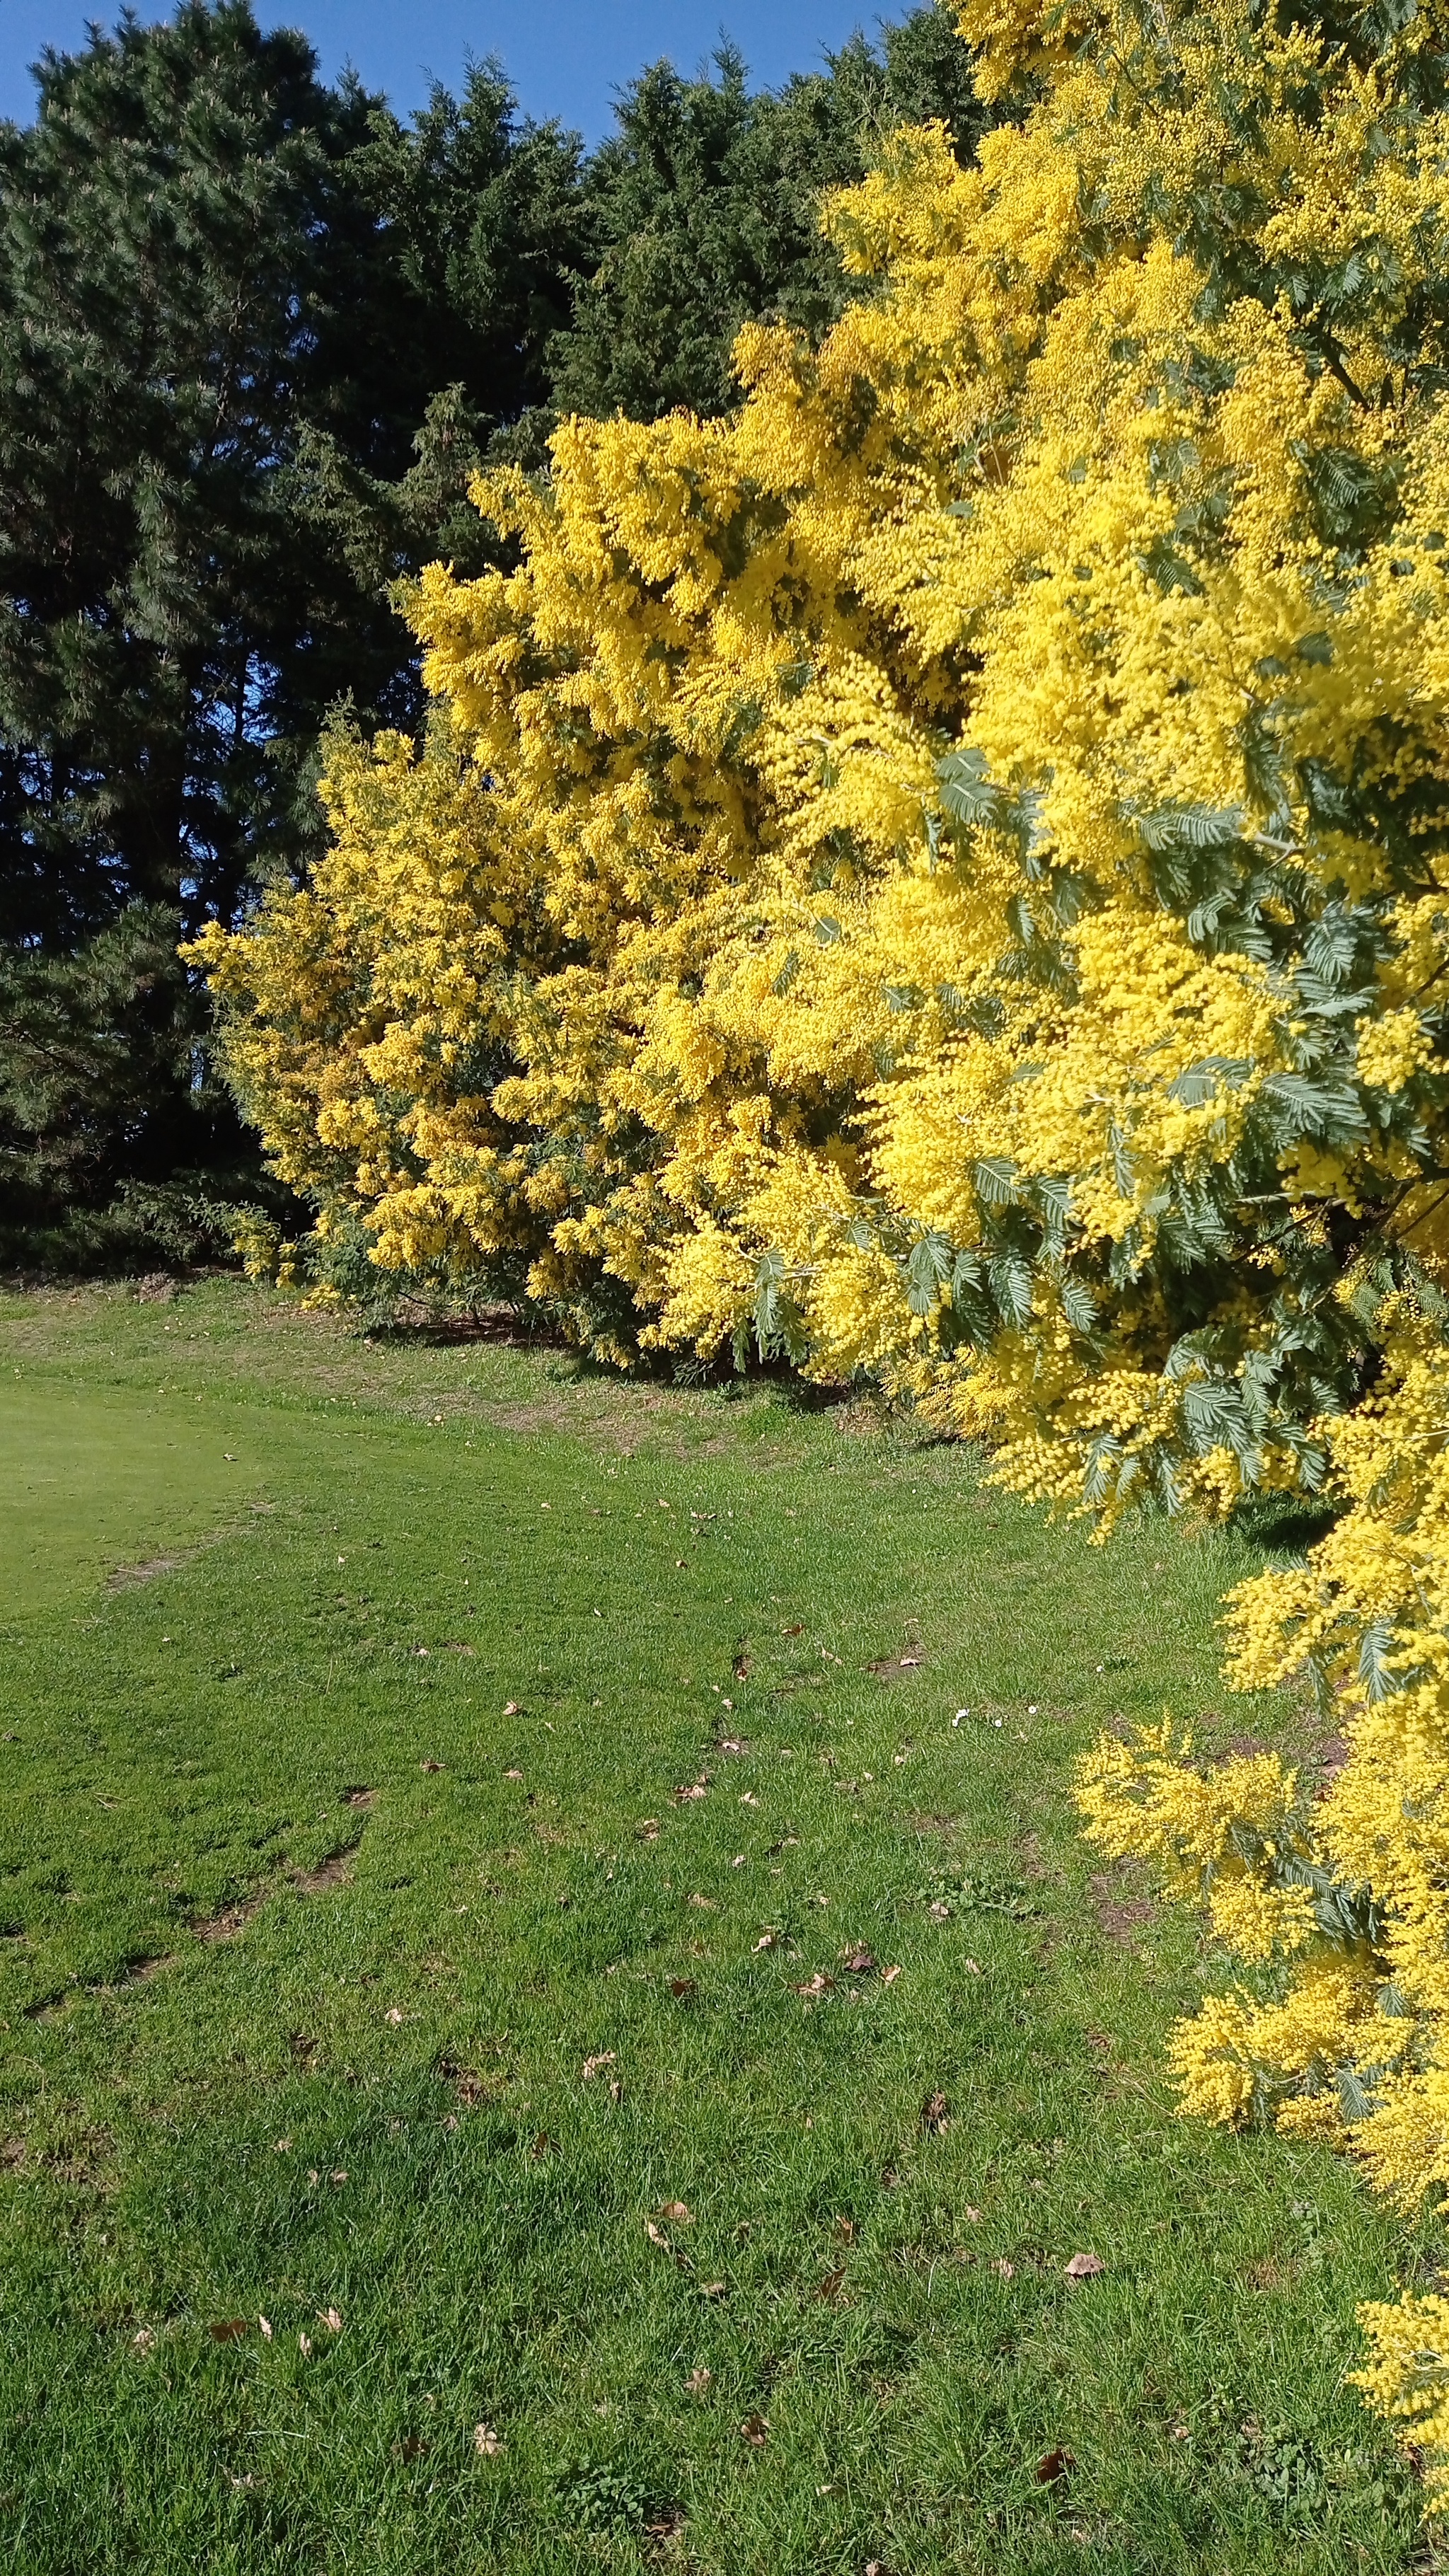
pixel 471 2091
pixel 334 1871
pixel 1120 1913
pixel 1033 1864
pixel 126 1577
pixel 231 1920
pixel 139 1972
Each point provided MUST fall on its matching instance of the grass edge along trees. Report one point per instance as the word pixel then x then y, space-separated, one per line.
pixel 942 873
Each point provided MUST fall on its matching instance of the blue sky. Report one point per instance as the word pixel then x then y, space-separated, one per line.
pixel 564 57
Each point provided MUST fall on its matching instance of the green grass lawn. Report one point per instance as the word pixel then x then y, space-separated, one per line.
pixel 489 1856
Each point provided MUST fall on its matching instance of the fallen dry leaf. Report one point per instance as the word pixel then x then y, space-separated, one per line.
pixel 756 2430
pixel 935 2114
pixel 768 1941
pixel 816 1986
pixel 1085 2267
pixel 829 2289
pixel 428 1766
pixel 713 2290
pixel 1006 2271
pixel 616 2092
pixel 541 2145
pixel 412 2448
pixel 909 1663
pixel 511 1708
pixel 691 1789
pixel 845 2230
pixel 304 2346
pixel 486 2442
pixel 731 1743
pixel 340 2175
pixel 706 1904
pixel 648 1829
pixel 748 1799
pixel 890 1976
pixel 1054 2465
pixel 330 2318
pixel 679 2211
pixel 699 2380
pixel 657 2236
pixel 859 1960
pixel 974 2215
pixel 143 2339
pixel 513 1775
pixel 228 2329
pixel 595 2065
pixel 681 1988
pixel 264 2327
pixel 394 2015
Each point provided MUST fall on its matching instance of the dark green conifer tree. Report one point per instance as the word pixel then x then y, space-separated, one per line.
pixel 705 200
pixel 228 294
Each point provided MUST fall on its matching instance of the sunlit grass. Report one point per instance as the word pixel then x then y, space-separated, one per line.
pixel 365 1955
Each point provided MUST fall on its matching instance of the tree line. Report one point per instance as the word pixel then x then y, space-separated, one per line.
pixel 257 334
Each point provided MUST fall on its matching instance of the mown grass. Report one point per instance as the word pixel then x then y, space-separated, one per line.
pixel 361 1953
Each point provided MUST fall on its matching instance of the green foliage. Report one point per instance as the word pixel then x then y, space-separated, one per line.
pixel 105 1099
pixel 601 2496
pixel 241 391
pixel 703 206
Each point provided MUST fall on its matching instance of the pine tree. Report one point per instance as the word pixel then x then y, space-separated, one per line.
pixel 705 204
pixel 253 335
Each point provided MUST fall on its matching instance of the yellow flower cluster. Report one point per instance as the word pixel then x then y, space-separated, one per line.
pixel 1349 1894
pixel 664 957
pixel 946 872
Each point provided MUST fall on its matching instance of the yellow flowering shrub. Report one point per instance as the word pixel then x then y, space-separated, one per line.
pixel 1347 1893
pixel 943 874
